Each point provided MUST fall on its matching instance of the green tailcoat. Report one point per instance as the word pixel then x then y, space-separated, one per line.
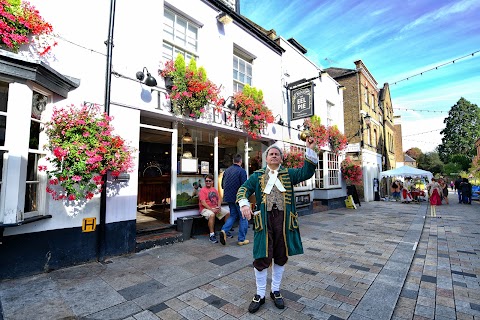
pixel 291 234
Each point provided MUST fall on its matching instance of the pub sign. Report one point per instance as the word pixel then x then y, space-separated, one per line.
pixel 302 102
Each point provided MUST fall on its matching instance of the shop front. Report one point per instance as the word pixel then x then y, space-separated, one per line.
pixel 174 156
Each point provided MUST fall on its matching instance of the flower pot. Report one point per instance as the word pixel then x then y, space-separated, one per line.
pixel 168 83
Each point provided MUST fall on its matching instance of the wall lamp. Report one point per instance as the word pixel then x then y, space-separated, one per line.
pixel 367 120
pixel 231 105
pixel 280 121
pixel 224 18
pixel 149 81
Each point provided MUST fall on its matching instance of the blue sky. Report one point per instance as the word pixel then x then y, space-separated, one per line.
pixel 395 39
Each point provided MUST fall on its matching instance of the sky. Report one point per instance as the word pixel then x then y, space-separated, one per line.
pixel 396 40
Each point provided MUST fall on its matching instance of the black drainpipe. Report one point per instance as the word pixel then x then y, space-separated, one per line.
pixel 101 243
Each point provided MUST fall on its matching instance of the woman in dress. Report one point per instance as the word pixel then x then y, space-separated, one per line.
pixel 434 191
pixel 444 186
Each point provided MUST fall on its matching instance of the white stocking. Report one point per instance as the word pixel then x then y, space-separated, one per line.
pixel 277 274
pixel 261 281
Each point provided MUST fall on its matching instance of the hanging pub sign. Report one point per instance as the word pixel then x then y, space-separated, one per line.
pixel 302 102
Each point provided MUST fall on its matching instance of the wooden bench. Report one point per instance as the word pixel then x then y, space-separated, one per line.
pixel 200 225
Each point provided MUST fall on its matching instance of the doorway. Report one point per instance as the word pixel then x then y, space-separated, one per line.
pixel 154 177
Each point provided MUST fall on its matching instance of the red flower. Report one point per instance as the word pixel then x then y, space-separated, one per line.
pixel 351 172
pixel 338 141
pixel 81 160
pixel 317 131
pixel 293 159
pixel 252 111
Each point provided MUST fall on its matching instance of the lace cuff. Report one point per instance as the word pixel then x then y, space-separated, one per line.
pixel 311 155
pixel 243 202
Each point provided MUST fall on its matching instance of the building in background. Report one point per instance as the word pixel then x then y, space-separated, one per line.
pixel 365 122
pixel 398 142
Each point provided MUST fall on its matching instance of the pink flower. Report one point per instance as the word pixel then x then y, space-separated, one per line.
pixel 77 178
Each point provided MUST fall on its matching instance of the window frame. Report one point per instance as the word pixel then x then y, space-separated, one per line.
pixel 175 47
pixel 238 59
pixel 41 177
pixel 327 173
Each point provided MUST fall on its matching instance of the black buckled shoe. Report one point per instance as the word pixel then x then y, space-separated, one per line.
pixel 256 303
pixel 278 299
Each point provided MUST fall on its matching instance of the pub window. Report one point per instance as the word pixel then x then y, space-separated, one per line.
pixel 319 176
pixel 3 125
pixel 365 95
pixel 179 36
pixel 242 73
pixel 333 170
pixel 329 113
pixel 39 102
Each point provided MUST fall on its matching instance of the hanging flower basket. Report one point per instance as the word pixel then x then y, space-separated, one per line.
pixel 317 131
pixel 337 140
pixel 293 159
pixel 252 111
pixel 190 89
pixel 351 172
pixel 21 23
pixel 83 150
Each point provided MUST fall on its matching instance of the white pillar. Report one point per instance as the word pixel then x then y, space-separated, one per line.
pixel 16 141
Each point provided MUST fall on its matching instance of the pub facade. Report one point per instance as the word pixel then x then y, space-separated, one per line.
pixel 173 152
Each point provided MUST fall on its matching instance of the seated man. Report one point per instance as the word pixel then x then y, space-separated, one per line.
pixel 210 206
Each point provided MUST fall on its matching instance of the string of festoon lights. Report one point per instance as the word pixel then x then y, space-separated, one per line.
pixel 436 68
pixel 420 110
pixel 417 134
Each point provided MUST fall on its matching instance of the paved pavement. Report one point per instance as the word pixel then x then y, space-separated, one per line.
pixel 385 260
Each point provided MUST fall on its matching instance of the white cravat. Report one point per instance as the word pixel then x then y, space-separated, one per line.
pixel 273 180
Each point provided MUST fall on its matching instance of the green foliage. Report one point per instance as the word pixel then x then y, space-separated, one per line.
pixel 461 160
pixel 430 161
pixel 462 129
pixel 192 65
pixel 253 93
pixel 202 73
pixel 452 169
pixel 179 73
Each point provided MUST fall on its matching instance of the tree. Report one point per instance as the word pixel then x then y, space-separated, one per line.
pixel 430 161
pixel 463 161
pixel 462 128
pixel 414 152
pixel 452 169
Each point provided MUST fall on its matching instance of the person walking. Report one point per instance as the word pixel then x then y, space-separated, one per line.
pixel 458 181
pixel 444 186
pixel 233 178
pixel 434 192
pixel 210 206
pixel 466 188
pixel 276 229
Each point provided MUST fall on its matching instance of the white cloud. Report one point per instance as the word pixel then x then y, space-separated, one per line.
pixel 443 12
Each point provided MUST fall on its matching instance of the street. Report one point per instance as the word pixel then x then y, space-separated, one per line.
pixel 384 260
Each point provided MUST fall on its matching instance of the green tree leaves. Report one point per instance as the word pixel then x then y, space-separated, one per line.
pixel 462 129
